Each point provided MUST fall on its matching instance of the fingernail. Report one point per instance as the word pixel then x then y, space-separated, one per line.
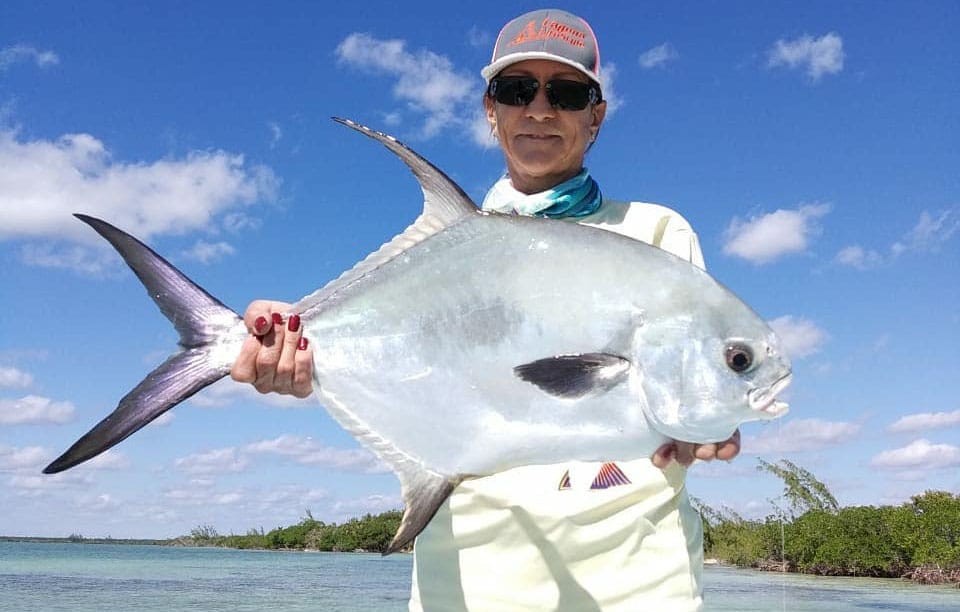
pixel 260 325
pixel 302 345
pixel 294 323
pixel 277 318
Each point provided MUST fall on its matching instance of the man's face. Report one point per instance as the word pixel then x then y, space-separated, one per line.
pixel 543 145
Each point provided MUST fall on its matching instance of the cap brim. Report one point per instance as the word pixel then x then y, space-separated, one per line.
pixel 491 70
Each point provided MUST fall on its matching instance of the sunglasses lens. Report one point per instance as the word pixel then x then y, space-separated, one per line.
pixel 514 91
pixel 570 95
pixel 562 94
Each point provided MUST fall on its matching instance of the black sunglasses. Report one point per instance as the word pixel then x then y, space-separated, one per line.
pixel 561 93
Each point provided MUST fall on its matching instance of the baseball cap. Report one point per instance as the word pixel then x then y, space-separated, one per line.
pixel 549 34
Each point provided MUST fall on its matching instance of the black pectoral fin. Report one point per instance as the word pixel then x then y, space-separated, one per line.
pixel 574 376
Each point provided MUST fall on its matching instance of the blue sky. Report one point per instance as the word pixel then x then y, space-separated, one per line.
pixel 813 146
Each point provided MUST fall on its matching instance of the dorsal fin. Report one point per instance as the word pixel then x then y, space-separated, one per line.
pixel 444 204
pixel 442 198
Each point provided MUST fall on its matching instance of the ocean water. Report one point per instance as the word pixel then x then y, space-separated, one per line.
pixel 45 577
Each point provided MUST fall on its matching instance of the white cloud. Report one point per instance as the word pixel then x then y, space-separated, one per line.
pixel 908 476
pixel 206 252
pixel 479 38
pixel 65 256
pixel 392 119
pixel 918 454
pixel 42 182
pixel 217 461
pixel 800 435
pixel 658 56
pixel 32 483
pixel 766 238
pixel 32 409
pixel 97 503
pixel 13 459
pixel 614 101
pixel 108 460
pixel 303 450
pixel 163 420
pixel 800 337
pixel 930 233
pixel 480 132
pixel 12 377
pixel 289 496
pixel 857 257
pixel 722 469
pixel 307 451
pixel 276 133
pixel 372 504
pixel 237 222
pixel 925 420
pixel 25 53
pixel 427 82
pixel 192 496
pixel 818 56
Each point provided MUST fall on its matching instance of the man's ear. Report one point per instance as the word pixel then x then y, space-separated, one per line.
pixel 491 111
pixel 599 112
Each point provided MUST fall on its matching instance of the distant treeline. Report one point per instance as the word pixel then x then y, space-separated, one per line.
pixel 367 534
pixel 75 538
pixel 919 539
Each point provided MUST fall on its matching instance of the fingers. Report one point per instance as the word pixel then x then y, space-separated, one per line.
pixel 260 313
pixel 705 452
pixel 276 356
pixel 685 453
pixel 268 357
pixel 303 370
pixel 681 452
pixel 257 318
pixel 664 455
pixel 245 367
pixel 729 449
pixel 286 364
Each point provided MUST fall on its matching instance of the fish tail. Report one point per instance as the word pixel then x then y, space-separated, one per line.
pixel 210 337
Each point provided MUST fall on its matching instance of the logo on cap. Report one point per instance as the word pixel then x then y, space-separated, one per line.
pixel 549 29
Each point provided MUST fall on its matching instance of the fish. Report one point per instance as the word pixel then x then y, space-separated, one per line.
pixel 474 342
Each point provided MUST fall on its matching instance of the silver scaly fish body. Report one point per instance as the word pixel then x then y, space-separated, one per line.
pixel 476 342
pixel 440 329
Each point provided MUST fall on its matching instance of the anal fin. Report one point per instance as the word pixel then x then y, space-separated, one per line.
pixel 423 494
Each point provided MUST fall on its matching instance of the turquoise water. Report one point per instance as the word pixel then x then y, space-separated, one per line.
pixel 89 577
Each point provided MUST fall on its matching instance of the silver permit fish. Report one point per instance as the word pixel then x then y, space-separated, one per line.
pixel 475 342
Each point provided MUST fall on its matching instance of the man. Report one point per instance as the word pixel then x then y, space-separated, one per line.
pixel 579 536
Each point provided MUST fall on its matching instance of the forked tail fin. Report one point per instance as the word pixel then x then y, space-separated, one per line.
pixel 210 334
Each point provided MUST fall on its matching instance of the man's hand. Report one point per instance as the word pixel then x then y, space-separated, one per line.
pixel 685 452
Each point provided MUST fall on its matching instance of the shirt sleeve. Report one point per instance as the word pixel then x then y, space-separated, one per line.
pixel 680 239
pixel 654 224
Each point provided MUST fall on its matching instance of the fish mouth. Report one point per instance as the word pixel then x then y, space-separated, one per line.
pixel 765 400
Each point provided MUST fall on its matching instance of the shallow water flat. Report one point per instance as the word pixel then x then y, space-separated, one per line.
pixel 45 577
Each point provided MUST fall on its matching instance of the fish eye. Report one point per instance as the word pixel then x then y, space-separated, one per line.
pixel 739 357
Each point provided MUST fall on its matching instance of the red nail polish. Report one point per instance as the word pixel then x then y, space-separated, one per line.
pixel 302 345
pixel 277 318
pixel 260 325
pixel 294 323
